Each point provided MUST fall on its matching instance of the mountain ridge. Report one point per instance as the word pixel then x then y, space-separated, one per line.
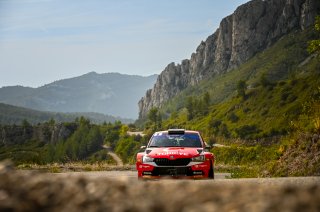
pixel 108 93
pixel 10 114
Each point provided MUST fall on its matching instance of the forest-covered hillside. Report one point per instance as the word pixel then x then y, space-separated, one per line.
pixel 76 141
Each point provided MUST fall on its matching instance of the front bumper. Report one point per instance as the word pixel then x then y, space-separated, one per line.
pixel 191 171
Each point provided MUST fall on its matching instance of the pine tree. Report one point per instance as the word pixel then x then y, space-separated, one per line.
pixel 155 118
pixel 190 107
pixel 314 45
pixel 241 88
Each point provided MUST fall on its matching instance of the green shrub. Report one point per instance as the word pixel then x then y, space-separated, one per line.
pixel 233 117
pixel 247 131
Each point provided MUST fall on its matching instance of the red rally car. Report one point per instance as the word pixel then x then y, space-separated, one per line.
pixel 175 153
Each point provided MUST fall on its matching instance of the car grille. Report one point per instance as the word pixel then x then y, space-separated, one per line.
pixel 167 162
pixel 172 171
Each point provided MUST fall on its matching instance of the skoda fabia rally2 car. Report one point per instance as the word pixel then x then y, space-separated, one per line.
pixel 175 153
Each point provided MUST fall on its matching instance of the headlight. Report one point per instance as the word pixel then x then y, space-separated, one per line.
pixel 147 159
pixel 200 158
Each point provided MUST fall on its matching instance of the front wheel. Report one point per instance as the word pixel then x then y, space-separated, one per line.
pixel 211 172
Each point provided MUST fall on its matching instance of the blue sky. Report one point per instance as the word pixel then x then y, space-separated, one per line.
pixel 46 40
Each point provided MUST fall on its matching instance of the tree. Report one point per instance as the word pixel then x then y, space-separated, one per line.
pixel 264 81
pixel 190 107
pixel 233 117
pixel 152 115
pixel 155 118
pixel 83 121
pixel 214 125
pixel 314 45
pixel 241 88
pixel 223 130
pixel 206 103
pixel 50 153
pixel 159 121
pixel 112 134
pixel 200 107
pixel 94 140
pixel 123 130
pixel 25 123
pixel 206 98
pixel 247 131
pixel 51 122
pixel 174 115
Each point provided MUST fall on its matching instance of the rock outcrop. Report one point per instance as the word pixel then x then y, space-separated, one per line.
pixel 252 28
pixel 44 133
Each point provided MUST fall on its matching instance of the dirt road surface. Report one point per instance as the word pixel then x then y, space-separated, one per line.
pixel 121 174
pixel 113 155
pixel 32 191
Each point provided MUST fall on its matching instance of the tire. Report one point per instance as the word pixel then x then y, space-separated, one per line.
pixel 211 172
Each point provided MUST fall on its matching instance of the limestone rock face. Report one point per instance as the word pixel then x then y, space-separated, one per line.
pixel 252 28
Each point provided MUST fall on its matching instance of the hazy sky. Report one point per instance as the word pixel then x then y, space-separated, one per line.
pixel 46 40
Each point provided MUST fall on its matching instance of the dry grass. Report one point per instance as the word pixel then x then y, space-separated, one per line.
pixel 74 167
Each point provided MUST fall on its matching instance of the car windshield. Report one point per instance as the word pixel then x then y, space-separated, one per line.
pixel 184 140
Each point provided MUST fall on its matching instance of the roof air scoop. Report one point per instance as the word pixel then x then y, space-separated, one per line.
pixel 176 131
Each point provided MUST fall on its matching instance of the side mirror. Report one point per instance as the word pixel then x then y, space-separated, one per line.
pixel 207 147
pixel 143 148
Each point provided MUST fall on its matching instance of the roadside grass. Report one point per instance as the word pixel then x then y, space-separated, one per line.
pixel 30 152
pixel 32 156
pixel 245 161
pixel 74 167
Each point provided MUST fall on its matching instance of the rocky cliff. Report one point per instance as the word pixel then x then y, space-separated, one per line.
pixel 252 28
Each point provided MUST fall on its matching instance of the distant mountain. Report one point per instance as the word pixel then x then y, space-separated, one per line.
pixel 110 93
pixel 15 115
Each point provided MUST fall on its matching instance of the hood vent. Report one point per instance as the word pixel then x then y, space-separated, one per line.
pixel 148 151
pixel 199 151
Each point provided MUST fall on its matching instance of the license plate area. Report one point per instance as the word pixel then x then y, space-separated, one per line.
pixel 172 171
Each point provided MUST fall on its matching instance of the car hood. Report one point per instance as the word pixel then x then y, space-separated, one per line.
pixel 177 152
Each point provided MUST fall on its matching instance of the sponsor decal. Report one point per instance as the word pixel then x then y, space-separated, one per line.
pixel 144 167
pixel 173 153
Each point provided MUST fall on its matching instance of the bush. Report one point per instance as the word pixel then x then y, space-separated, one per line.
pixel 247 131
pixel 127 148
pixel 233 117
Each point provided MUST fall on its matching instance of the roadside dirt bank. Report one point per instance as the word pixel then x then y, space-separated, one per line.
pixel 33 191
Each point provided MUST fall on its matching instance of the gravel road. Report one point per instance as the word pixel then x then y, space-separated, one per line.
pixel 32 191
